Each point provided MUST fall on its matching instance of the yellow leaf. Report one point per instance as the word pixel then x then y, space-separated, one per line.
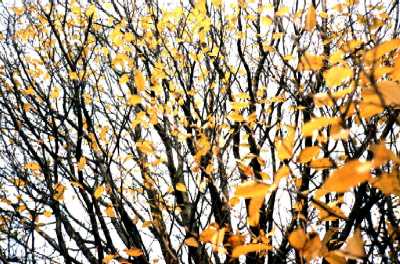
pixel 280 174
pixel 382 155
pixel 355 246
pixel 81 163
pixel 310 62
pixel 139 81
pixel 388 183
pixel 318 123
pixel 298 238
pixel 237 106
pixel 47 213
pixel 251 189
pixel 108 258
pixel 55 93
pixel 320 164
pixel 382 49
pixel 191 242
pixel 254 210
pixel 336 75
pixel 110 211
pixel 145 146
pixel 133 252
pixel 124 79
pixel 99 191
pixel 284 151
pixel 266 21
pixel 390 92
pixel 245 249
pixel 311 19
pixel 32 166
pixel 147 224
pixel 236 240
pixel 336 57
pixel 312 248
pixel 73 76
pixel 348 176
pixel 134 99
pixel 214 235
pixel 91 10
pixel 21 208
pixel 332 257
pixel 235 116
pixel 284 10
pixel 325 212
pixel 59 190
pixel 181 187
pixel 371 104
pixel 308 154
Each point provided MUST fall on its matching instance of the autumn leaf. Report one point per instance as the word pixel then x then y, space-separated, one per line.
pixel 298 238
pixel 245 249
pixel 133 252
pixel 181 187
pixel 311 19
pixel 81 163
pixel 388 183
pixel 191 242
pixel 110 211
pixel 139 81
pixel 336 75
pixel 308 153
pixel 348 176
pixel 99 191
pixel 382 49
pixel 59 190
pixel 284 10
pixel 310 62
pixel 254 210
pixel 34 166
pixel 251 189
pixel 354 246
pixel 317 123
pixel 134 99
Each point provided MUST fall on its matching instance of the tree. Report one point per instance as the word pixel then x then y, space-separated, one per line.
pixel 200 131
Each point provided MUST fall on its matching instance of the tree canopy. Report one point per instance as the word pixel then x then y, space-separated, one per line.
pixel 199 131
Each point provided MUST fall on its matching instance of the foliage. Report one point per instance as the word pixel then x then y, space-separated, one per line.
pixel 200 131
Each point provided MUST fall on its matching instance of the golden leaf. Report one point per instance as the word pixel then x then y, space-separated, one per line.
pixel 354 246
pixel 180 187
pixel 134 99
pixel 388 183
pixel 32 166
pixel 139 81
pixel 312 247
pixel 298 238
pixel 284 10
pixel 382 49
pixel 310 62
pixel 311 19
pixel 191 242
pixel 308 153
pixel 59 190
pixel 99 191
pixel 133 252
pixel 336 75
pixel 81 163
pixel 110 211
pixel 254 210
pixel 245 249
pixel 318 123
pixel 348 176
pixel 250 189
